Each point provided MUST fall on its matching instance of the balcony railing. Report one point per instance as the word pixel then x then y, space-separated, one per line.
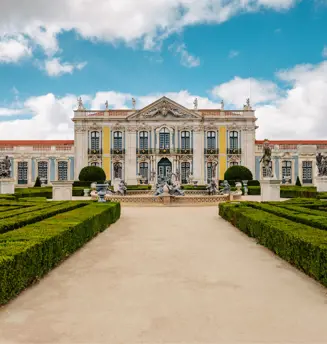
pixel 144 151
pixel 232 151
pixel 184 151
pixel 164 151
pixel 95 151
pixel 118 151
pixel 211 151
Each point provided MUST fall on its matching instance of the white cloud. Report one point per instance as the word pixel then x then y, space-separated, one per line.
pixel 55 67
pixel 324 52
pixel 187 60
pixel 144 21
pixel 13 49
pixel 233 53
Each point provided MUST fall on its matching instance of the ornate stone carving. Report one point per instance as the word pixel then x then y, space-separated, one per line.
pixel 212 158
pixel 143 127
pixel 198 128
pixel 234 126
pixel 210 127
pixel 117 158
pixel 234 158
pixel 186 158
pixel 118 127
pixel 94 126
pixel 80 129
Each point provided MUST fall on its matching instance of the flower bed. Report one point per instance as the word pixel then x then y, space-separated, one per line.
pixel 28 253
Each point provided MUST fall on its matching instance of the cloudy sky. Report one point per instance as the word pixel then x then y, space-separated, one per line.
pixel 273 51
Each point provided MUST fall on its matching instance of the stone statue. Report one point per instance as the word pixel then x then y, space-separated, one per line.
pixel 195 103
pixel 321 162
pixel 153 175
pixel 5 167
pixel 106 104
pixel 212 187
pixel 225 188
pixel 266 159
pixel 122 188
pixel 80 103
pixel 178 174
pixel 248 104
pixel 134 103
pixel 222 105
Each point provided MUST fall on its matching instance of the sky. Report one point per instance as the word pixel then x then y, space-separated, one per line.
pixel 273 51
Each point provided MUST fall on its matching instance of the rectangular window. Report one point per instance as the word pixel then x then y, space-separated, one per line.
pixel 307 172
pixel 185 140
pixel 211 140
pixel 144 170
pixel 62 170
pixel 22 172
pixel 118 140
pixel 287 170
pixel 42 171
pixel 164 139
pixel 144 142
pixel 233 140
pixel 185 171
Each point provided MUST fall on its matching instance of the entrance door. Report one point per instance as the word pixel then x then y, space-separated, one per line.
pixel 164 168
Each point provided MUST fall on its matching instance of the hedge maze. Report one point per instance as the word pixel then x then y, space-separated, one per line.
pixel 35 236
pixel 295 230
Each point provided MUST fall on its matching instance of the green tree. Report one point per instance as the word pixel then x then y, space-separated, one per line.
pixel 92 174
pixel 298 183
pixel 37 182
pixel 238 173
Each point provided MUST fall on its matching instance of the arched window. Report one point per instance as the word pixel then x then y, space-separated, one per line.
pixel 118 170
pixel 185 171
pixel 95 141
pixel 264 170
pixel 144 170
pixel 233 140
pixel 287 170
pixel 144 141
pixel 118 140
pixel 164 139
pixel 211 140
pixel 185 142
pixel 42 171
pixel 62 170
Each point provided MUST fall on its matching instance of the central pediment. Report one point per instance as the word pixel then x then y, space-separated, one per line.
pixel 164 108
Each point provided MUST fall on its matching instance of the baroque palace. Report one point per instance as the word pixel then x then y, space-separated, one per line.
pixel 161 138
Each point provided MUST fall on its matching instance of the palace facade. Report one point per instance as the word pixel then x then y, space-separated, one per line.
pixel 161 138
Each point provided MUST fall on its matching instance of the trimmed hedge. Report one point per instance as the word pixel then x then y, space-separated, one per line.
pixel 28 253
pixel 303 246
pixel 9 224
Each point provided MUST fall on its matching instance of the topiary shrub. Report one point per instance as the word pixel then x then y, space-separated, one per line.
pixel 238 173
pixel 298 183
pixel 92 174
pixel 37 182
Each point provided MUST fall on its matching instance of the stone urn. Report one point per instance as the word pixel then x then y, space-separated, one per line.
pixel 245 185
pixel 86 192
pixel 102 191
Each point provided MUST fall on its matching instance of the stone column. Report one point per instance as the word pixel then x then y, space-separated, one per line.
pixel 80 150
pixel 249 149
pixel 130 160
pixel 198 156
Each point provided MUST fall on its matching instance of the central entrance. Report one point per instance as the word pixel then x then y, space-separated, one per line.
pixel 164 168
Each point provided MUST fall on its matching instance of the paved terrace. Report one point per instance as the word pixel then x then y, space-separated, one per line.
pixel 169 275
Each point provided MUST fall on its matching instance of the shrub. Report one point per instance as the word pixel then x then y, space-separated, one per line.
pixel 37 182
pixel 93 174
pixel 238 173
pixel 298 183
pixel 84 184
pixel 301 245
pixel 28 253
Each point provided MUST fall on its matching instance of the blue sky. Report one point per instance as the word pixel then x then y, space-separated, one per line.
pixel 278 48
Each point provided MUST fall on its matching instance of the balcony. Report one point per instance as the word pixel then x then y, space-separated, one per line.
pixel 117 151
pixel 182 151
pixel 234 151
pixel 92 151
pixel 164 151
pixel 211 151
pixel 145 151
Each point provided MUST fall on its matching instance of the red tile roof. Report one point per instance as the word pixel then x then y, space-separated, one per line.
pixel 293 142
pixel 35 142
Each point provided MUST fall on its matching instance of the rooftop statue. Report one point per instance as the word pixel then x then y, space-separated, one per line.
pixel 80 105
pixel 266 159
pixel 195 103
pixel 5 167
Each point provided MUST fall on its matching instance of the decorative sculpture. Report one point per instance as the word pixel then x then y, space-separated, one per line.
pixel 225 188
pixel 222 105
pixel 133 103
pixel 321 161
pixel 5 167
pixel 106 104
pixel 174 188
pixel 122 188
pixel 266 159
pixel 212 187
pixel 80 103
pixel 195 103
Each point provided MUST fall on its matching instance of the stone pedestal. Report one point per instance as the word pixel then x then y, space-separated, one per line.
pixel 62 190
pixel 321 183
pixel 270 190
pixel 7 186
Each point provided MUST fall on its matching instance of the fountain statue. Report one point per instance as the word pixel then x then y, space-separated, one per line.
pixel 5 167
pixel 122 188
pixel 225 188
pixel 212 187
